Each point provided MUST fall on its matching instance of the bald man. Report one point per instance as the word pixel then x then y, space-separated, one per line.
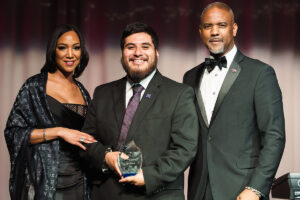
pixel 240 112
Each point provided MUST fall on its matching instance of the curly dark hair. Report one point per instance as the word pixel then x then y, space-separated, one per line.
pixel 50 64
pixel 138 27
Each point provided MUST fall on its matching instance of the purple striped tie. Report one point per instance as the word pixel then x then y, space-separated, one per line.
pixel 129 114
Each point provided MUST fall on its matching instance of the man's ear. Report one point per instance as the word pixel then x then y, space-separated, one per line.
pixel 234 29
pixel 200 31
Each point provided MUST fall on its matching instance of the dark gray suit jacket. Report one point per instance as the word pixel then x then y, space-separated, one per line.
pixel 244 142
pixel 165 127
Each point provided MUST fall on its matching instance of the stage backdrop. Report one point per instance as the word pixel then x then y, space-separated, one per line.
pixel 268 30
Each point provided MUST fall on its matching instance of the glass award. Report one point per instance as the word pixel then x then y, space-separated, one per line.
pixel 130 159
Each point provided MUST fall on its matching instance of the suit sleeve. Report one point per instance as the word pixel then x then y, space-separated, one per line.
pixel 94 155
pixel 182 148
pixel 270 120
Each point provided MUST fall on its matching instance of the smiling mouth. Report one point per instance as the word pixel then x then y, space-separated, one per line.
pixel 69 63
pixel 138 61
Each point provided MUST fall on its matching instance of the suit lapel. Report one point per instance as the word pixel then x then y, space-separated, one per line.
pixel 119 100
pixel 194 81
pixel 231 76
pixel 147 100
pixel 201 105
pixel 199 96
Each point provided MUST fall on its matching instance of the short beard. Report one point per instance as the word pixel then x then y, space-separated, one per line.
pixel 217 52
pixel 137 75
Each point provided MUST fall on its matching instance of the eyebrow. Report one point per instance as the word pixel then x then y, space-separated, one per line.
pixel 66 44
pixel 144 43
pixel 222 22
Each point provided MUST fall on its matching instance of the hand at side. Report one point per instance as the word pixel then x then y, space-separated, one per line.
pixel 247 194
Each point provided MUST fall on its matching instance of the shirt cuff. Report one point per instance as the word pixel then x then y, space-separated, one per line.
pixel 258 193
pixel 105 168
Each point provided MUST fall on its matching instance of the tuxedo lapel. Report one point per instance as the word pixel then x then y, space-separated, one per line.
pixel 194 81
pixel 147 100
pixel 201 105
pixel 119 100
pixel 199 96
pixel 231 76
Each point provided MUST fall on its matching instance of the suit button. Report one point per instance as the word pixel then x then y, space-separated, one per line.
pixel 209 138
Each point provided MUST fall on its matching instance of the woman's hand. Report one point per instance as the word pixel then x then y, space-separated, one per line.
pixel 75 137
pixel 69 135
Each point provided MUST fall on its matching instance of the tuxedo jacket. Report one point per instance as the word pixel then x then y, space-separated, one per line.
pixel 165 127
pixel 243 144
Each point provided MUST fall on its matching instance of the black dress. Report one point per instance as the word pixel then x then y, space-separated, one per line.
pixel 70 174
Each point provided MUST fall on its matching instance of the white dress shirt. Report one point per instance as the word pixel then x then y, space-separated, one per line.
pixel 145 82
pixel 211 83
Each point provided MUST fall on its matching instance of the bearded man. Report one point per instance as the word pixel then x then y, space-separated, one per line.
pixel 155 112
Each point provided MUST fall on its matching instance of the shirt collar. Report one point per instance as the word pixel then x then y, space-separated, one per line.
pixel 230 55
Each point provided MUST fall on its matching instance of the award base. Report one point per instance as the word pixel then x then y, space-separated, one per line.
pixel 128 174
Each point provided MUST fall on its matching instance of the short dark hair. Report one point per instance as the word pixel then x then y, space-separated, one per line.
pixel 219 5
pixel 50 64
pixel 138 27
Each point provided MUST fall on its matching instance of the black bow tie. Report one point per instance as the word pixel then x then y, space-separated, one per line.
pixel 211 63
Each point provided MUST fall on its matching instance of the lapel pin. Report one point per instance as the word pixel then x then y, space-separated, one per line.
pixel 148 96
pixel 233 70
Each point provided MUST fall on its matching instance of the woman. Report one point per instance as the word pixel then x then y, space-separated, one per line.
pixel 40 131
